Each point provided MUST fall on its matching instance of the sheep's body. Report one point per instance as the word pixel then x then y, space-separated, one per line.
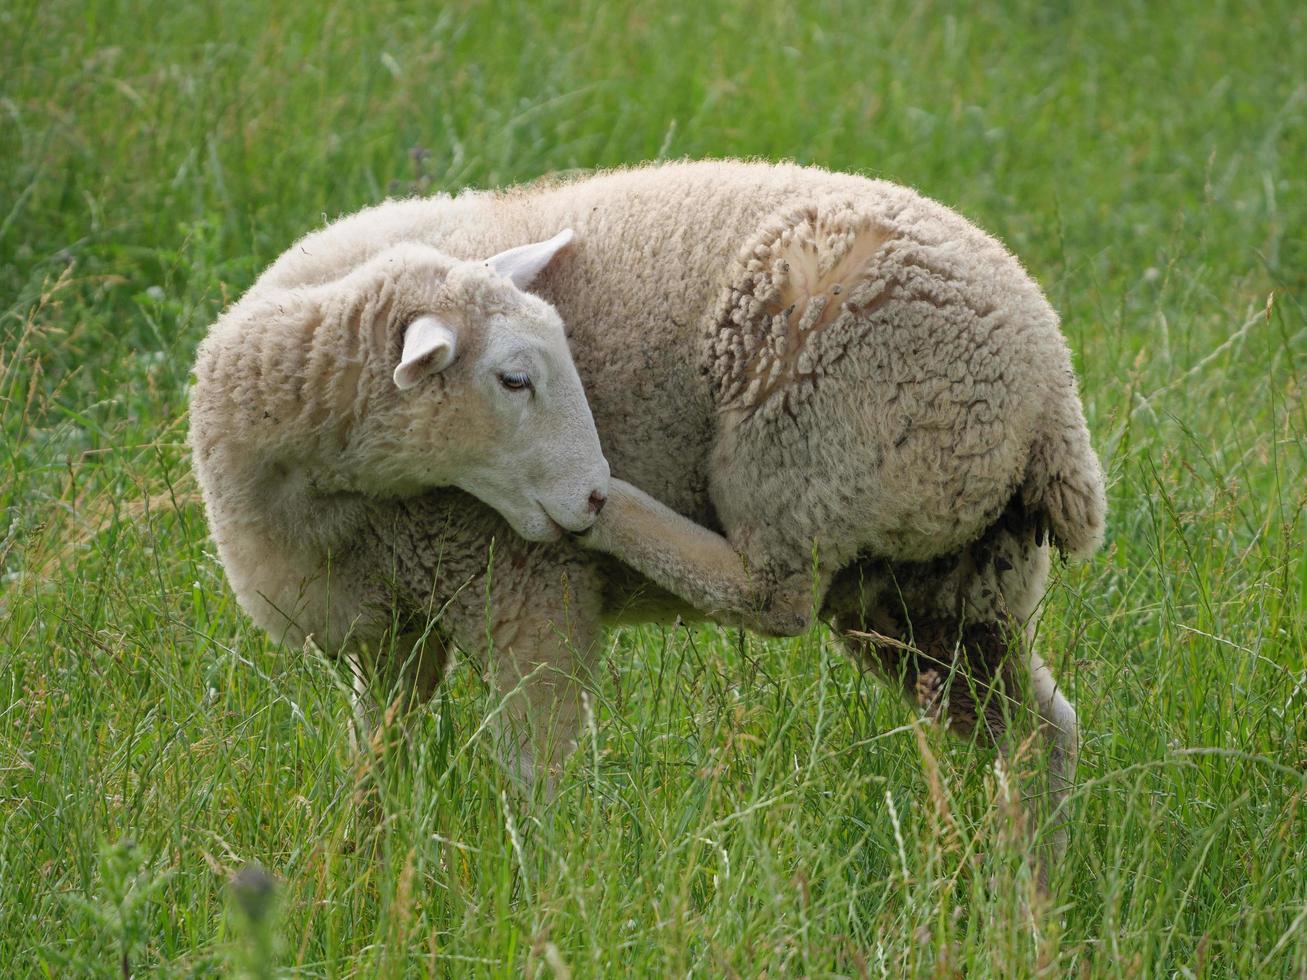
pixel 959 391
pixel 845 379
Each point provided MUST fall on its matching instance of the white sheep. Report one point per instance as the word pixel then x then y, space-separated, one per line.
pixel 825 386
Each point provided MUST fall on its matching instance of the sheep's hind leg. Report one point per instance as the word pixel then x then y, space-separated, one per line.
pixel 699 566
pixel 981 677
pixel 1012 679
pixel 1061 732
pixel 1046 789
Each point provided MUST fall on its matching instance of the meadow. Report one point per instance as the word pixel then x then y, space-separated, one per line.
pixel 738 807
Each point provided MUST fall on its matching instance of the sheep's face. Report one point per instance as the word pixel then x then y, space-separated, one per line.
pixel 511 424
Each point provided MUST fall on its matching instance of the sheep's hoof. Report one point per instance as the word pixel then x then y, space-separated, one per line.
pixel 590 539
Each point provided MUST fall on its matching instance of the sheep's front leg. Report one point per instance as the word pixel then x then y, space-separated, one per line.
pixel 533 624
pixel 698 566
pixel 539 664
pixel 398 672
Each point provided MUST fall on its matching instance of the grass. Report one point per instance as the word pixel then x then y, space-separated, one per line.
pixel 738 806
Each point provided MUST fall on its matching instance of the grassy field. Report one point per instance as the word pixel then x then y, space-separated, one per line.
pixel 738 806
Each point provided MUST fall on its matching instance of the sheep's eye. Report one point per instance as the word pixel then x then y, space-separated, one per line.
pixel 515 380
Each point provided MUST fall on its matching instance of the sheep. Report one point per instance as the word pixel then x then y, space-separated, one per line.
pixel 820 394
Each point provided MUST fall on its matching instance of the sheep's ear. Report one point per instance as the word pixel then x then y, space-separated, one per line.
pixel 429 347
pixel 523 264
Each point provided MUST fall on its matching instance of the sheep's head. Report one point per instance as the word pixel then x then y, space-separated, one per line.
pixel 484 395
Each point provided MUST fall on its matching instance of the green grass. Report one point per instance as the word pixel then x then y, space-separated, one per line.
pixel 738 806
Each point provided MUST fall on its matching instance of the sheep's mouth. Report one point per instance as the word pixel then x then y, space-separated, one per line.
pixel 546 529
pixel 563 530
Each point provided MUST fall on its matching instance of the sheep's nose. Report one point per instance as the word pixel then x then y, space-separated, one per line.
pixel 596 502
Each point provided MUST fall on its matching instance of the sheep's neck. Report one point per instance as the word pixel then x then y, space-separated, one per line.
pixel 292 503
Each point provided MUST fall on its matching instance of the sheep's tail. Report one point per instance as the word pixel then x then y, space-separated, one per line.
pixel 1064 481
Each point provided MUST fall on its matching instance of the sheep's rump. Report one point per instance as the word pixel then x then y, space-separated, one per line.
pixel 895 369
